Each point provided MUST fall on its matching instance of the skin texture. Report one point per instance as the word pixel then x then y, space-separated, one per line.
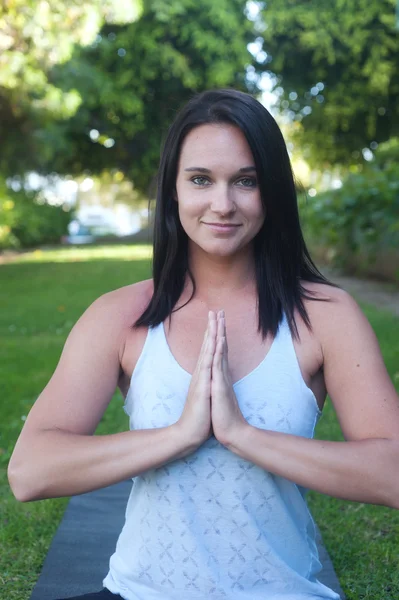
pixel 221 192
pixel 214 338
pixel 226 414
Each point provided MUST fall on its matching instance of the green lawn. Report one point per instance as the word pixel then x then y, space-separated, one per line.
pixel 41 295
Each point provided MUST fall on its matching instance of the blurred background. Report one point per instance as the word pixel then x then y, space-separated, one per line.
pixel 87 90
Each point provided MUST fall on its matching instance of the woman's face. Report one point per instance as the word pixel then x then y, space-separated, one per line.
pixel 217 191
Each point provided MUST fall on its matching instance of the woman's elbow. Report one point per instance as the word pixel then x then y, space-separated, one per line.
pixel 20 484
pixel 392 501
pixel 391 477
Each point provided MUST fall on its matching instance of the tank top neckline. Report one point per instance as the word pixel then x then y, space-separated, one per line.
pixel 242 379
pixel 212 524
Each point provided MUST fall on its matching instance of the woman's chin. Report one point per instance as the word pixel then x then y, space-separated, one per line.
pixel 222 249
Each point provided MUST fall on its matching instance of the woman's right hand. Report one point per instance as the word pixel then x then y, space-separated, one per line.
pixel 195 422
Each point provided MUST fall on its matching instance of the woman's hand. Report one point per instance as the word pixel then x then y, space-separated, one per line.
pixel 227 418
pixel 195 422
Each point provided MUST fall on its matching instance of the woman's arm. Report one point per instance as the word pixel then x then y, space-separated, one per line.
pixel 365 468
pixel 361 471
pixel 56 453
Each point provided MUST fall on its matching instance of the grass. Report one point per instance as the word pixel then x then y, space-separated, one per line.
pixel 42 294
pixel 363 540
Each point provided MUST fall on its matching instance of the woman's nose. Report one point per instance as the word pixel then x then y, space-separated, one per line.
pixel 223 201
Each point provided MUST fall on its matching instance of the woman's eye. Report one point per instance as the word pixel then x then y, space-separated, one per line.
pixel 200 180
pixel 247 182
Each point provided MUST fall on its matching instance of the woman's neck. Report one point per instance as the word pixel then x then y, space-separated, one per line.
pixel 219 278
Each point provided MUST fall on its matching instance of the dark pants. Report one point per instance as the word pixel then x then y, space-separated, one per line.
pixel 103 595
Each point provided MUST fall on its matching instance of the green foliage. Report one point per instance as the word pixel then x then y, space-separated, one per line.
pixel 339 60
pixel 135 76
pixel 61 79
pixel 34 37
pixel 388 153
pixel 362 217
pixel 25 220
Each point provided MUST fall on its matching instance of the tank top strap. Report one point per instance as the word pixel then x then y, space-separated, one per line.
pixel 284 349
pixel 283 340
pixel 153 352
pixel 286 359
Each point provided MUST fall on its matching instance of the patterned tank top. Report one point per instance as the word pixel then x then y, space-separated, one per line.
pixel 213 525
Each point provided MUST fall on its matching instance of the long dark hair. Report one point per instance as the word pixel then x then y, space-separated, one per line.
pixel 281 257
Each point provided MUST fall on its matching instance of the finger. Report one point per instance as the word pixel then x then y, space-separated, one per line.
pixel 208 350
pixel 213 326
pixel 220 318
pixel 221 359
pixel 218 356
pixel 219 325
pixel 225 360
pixel 204 347
pixel 223 349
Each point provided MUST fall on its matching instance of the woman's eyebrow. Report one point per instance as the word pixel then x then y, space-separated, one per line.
pixel 204 170
pixel 198 169
pixel 247 170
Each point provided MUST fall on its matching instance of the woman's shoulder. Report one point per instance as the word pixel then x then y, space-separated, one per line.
pixel 124 304
pixel 111 316
pixel 328 296
pixel 324 291
pixel 331 309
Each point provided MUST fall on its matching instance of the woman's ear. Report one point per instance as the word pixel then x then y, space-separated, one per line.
pixel 174 195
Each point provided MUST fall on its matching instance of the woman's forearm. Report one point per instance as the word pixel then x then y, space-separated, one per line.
pixel 361 471
pixel 59 463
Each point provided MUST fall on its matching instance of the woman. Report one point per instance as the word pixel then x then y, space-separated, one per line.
pixel 220 441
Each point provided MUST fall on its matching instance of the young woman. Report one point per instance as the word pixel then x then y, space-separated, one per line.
pixel 225 358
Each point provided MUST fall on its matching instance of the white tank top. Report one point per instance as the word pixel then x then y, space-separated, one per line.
pixel 213 525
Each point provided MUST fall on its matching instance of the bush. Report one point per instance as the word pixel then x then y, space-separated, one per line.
pixel 361 219
pixel 25 222
pixel 388 153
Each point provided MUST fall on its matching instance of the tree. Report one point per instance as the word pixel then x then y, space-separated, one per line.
pixel 135 76
pixel 34 37
pixel 337 73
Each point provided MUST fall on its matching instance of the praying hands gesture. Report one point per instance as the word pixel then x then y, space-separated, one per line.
pixel 226 415
pixel 211 406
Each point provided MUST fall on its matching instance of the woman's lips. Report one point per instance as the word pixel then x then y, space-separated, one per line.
pixel 222 227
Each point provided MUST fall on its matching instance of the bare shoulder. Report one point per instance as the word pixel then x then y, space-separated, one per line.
pixel 116 311
pixel 322 291
pixel 124 304
pixel 89 368
pixel 109 319
pixel 120 309
pixel 336 321
pixel 356 378
pixel 331 308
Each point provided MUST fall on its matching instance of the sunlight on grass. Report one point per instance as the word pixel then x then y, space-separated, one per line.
pixel 89 253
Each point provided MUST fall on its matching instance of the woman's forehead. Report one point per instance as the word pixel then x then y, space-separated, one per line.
pixel 213 144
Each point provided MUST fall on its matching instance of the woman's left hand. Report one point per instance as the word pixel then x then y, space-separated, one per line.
pixel 227 418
